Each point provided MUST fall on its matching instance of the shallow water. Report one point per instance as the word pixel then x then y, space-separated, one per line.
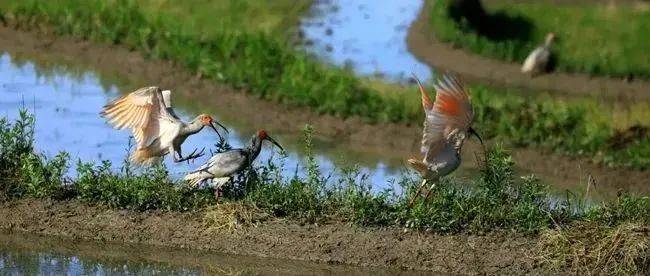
pixel 367 35
pixel 66 101
pixel 67 106
pixel 23 254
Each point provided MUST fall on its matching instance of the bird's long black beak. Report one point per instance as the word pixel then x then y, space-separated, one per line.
pixel 219 124
pixel 473 132
pixel 215 128
pixel 274 142
pixel 485 153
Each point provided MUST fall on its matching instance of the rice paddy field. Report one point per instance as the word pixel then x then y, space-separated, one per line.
pixel 598 39
pixel 256 48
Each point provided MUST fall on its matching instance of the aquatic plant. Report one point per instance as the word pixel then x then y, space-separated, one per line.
pixel 611 40
pixel 269 67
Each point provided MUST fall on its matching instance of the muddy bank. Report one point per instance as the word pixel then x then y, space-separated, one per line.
pixel 111 257
pixel 423 44
pixel 377 142
pixel 336 243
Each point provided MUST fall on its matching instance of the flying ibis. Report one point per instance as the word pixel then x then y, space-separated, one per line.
pixel 447 124
pixel 157 130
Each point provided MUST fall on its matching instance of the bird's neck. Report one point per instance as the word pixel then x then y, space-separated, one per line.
pixel 255 147
pixel 458 139
pixel 548 43
pixel 192 127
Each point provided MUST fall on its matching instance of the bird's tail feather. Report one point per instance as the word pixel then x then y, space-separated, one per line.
pixel 218 182
pixel 195 178
pixel 143 157
pixel 419 166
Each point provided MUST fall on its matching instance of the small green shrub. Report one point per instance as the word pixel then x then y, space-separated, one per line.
pixel 495 200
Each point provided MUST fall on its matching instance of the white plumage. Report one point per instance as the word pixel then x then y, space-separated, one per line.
pixel 156 128
pixel 537 60
pixel 222 166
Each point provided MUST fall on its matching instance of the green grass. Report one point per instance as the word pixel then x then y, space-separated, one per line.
pixel 572 234
pixel 497 199
pixel 207 17
pixel 594 39
pixel 256 60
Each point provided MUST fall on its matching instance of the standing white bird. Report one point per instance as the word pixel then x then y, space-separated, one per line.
pixel 224 165
pixel 447 123
pixel 537 60
pixel 157 130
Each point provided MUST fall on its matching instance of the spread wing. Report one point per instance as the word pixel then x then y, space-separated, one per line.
pixel 451 112
pixel 167 100
pixel 144 112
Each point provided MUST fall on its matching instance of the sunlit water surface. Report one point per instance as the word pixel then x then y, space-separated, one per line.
pixel 67 109
pixel 367 35
pixel 25 254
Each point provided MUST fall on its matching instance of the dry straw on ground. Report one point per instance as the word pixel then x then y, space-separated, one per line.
pixel 592 250
pixel 230 216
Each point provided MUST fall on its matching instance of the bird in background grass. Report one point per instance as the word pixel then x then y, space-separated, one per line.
pixel 156 127
pixel 537 61
pixel 447 124
pixel 222 166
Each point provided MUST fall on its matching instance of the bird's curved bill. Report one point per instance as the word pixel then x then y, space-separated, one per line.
pixel 274 142
pixel 473 132
pixel 212 125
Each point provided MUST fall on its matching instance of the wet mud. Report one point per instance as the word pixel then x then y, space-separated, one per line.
pixel 333 243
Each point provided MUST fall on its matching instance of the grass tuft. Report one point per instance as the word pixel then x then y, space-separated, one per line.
pixel 230 216
pixel 592 249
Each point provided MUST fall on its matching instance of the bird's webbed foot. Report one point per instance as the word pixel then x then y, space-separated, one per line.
pixel 189 157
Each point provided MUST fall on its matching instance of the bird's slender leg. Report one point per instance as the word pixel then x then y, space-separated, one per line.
pixel 426 196
pixel 417 193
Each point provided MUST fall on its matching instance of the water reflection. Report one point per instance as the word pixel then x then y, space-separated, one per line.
pixel 67 119
pixel 28 254
pixel 42 263
pixel 367 35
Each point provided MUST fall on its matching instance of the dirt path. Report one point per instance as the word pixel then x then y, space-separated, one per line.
pixel 423 44
pixel 500 252
pixel 352 135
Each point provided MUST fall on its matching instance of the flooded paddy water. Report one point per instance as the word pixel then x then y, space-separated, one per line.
pixel 66 105
pixel 368 36
pixel 28 254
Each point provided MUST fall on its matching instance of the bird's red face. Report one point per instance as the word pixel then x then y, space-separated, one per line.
pixel 206 120
pixel 262 134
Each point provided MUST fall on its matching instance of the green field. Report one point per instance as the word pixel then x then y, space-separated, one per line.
pixel 208 17
pixel 256 60
pixel 595 39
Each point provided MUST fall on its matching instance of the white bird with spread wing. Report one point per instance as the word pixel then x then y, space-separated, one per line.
pixel 448 122
pixel 157 130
